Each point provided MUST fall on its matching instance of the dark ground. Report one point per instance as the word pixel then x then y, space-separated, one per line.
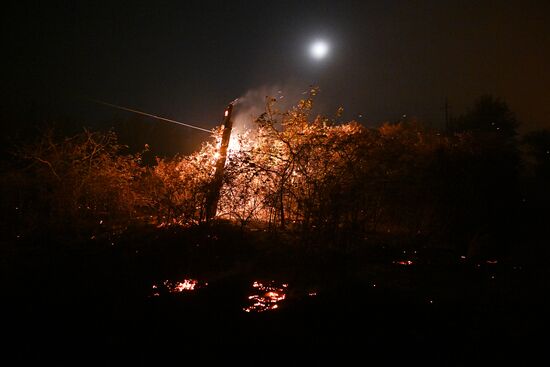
pixel 95 297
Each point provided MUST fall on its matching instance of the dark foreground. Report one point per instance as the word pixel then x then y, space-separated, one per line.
pixel 105 296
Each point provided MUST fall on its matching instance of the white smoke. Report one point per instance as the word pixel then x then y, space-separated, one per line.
pixel 250 106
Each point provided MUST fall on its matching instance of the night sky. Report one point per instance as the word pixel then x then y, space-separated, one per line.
pixel 186 60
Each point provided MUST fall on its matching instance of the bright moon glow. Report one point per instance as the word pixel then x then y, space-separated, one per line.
pixel 319 49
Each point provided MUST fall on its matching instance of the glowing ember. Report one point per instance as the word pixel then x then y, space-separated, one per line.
pixel 266 297
pixel 168 286
pixel 406 262
pixel 186 285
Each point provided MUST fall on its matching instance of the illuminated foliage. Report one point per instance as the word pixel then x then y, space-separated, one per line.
pixel 82 180
pixel 181 186
pixel 297 171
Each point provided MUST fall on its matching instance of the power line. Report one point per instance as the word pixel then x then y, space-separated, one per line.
pixel 149 115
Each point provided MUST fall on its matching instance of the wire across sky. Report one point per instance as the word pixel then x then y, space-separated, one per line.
pixel 149 115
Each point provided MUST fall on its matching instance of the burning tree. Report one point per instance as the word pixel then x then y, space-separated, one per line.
pixel 182 185
pixel 293 169
pixel 244 191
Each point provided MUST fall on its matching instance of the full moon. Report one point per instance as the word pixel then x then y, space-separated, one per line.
pixel 319 49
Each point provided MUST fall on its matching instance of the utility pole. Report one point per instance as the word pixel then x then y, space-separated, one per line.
pixel 217 182
pixel 447 118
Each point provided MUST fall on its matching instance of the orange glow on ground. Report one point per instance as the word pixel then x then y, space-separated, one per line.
pixel 403 262
pixel 169 286
pixel 266 297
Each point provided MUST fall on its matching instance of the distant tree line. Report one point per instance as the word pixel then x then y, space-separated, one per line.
pixel 330 183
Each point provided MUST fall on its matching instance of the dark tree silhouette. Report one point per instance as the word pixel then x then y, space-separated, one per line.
pixel 492 165
pixel 488 115
pixel 536 183
pixel 538 148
